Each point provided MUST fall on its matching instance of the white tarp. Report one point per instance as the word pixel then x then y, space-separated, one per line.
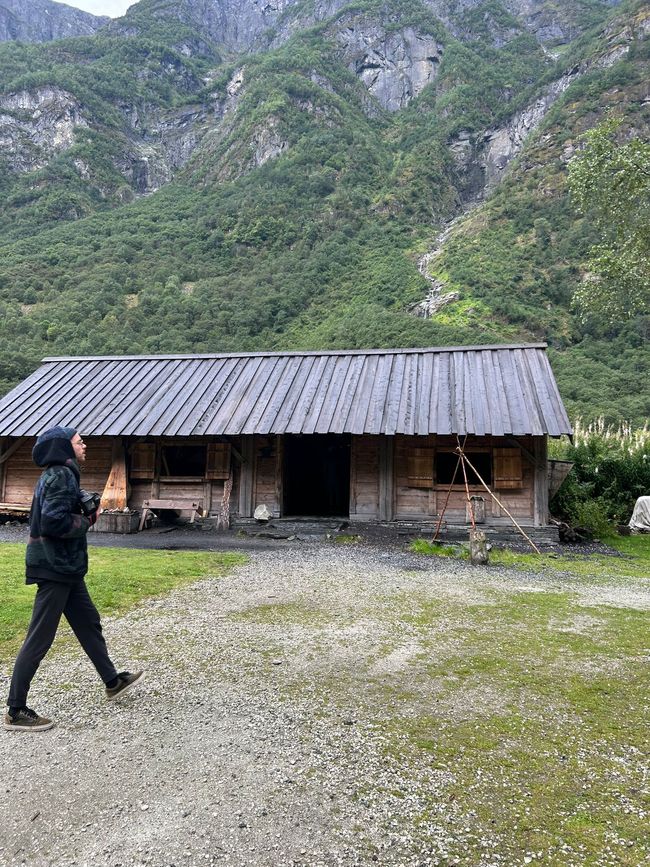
pixel 640 520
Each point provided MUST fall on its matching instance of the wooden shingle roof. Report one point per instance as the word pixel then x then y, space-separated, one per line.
pixel 479 390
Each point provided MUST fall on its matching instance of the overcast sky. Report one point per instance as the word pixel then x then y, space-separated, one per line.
pixel 114 8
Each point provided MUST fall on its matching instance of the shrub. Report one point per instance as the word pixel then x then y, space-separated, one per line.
pixel 593 515
pixel 611 470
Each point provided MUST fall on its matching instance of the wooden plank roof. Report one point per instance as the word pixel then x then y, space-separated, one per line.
pixel 446 390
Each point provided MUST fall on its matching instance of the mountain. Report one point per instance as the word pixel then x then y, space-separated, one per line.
pixel 42 21
pixel 200 176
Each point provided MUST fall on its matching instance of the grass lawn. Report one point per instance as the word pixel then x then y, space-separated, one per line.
pixel 118 579
pixel 553 759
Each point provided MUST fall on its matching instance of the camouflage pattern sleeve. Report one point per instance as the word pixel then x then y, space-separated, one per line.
pixel 59 504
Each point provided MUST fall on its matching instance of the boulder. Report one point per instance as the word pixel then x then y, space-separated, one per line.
pixel 262 513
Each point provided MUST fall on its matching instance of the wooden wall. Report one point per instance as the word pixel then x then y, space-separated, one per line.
pixel 364 478
pixel 412 502
pixel 382 483
pixel 267 470
pixel 207 490
pixel 21 474
pixel 426 502
pixel 18 476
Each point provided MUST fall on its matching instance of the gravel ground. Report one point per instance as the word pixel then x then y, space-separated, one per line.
pixel 235 750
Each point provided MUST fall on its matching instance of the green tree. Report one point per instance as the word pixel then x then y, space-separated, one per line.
pixel 610 183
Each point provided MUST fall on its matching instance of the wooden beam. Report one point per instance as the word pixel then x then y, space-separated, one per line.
pixel 386 478
pixel 279 473
pixel 540 484
pixel 12 448
pixel 246 477
pixel 114 495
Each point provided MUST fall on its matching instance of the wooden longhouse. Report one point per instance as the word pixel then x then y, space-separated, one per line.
pixel 363 435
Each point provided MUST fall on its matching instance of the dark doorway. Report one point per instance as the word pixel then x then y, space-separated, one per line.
pixel 317 475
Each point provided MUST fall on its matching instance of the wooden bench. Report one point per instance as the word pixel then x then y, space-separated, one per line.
pixel 177 505
pixel 14 509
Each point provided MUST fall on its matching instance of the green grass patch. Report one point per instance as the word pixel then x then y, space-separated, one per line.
pixel 599 567
pixel 117 580
pixel 439 549
pixel 529 708
pixel 537 707
pixel 347 539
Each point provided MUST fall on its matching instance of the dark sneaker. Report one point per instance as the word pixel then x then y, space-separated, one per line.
pixel 26 720
pixel 125 682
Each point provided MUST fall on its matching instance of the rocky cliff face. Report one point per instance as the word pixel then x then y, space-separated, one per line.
pixel 260 24
pixel 160 143
pixel 485 158
pixel 550 22
pixel 37 125
pixel 547 21
pixel 395 67
pixel 394 64
pixel 233 26
pixel 43 21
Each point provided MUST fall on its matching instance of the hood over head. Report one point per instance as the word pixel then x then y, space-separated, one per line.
pixel 54 447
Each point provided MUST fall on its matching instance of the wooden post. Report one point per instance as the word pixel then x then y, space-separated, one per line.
pixel 223 521
pixel 478 552
pixel 540 486
pixel 155 482
pixel 278 511
pixel 114 496
pixel 386 478
pixel 3 470
pixel 246 477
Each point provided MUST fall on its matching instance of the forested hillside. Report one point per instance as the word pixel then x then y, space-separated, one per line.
pixel 177 183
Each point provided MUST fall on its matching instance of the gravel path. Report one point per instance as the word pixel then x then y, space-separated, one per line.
pixel 251 741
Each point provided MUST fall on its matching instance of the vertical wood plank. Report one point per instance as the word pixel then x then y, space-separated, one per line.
pixel 4 442
pixel 364 478
pixel 247 477
pixel 540 495
pixel 386 478
pixel 207 496
pixel 279 474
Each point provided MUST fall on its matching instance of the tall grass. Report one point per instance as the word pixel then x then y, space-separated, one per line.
pixel 611 470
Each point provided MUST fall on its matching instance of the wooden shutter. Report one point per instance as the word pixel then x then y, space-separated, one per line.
pixel 143 460
pixel 218 464
pixel 507 468
pixel 420 468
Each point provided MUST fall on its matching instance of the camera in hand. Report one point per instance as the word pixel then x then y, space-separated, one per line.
pixel 89 502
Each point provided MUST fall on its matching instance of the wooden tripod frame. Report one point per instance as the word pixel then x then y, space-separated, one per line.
pixel 464 461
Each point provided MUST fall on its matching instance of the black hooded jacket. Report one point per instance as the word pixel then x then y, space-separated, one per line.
pixel 57 549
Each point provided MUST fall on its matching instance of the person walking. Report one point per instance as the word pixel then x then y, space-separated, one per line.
pixel 57 561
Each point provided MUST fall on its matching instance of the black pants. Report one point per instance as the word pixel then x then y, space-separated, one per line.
pixel 53 599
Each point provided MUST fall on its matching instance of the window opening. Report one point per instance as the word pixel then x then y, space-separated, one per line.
pixel 183 461
pixel 446 464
